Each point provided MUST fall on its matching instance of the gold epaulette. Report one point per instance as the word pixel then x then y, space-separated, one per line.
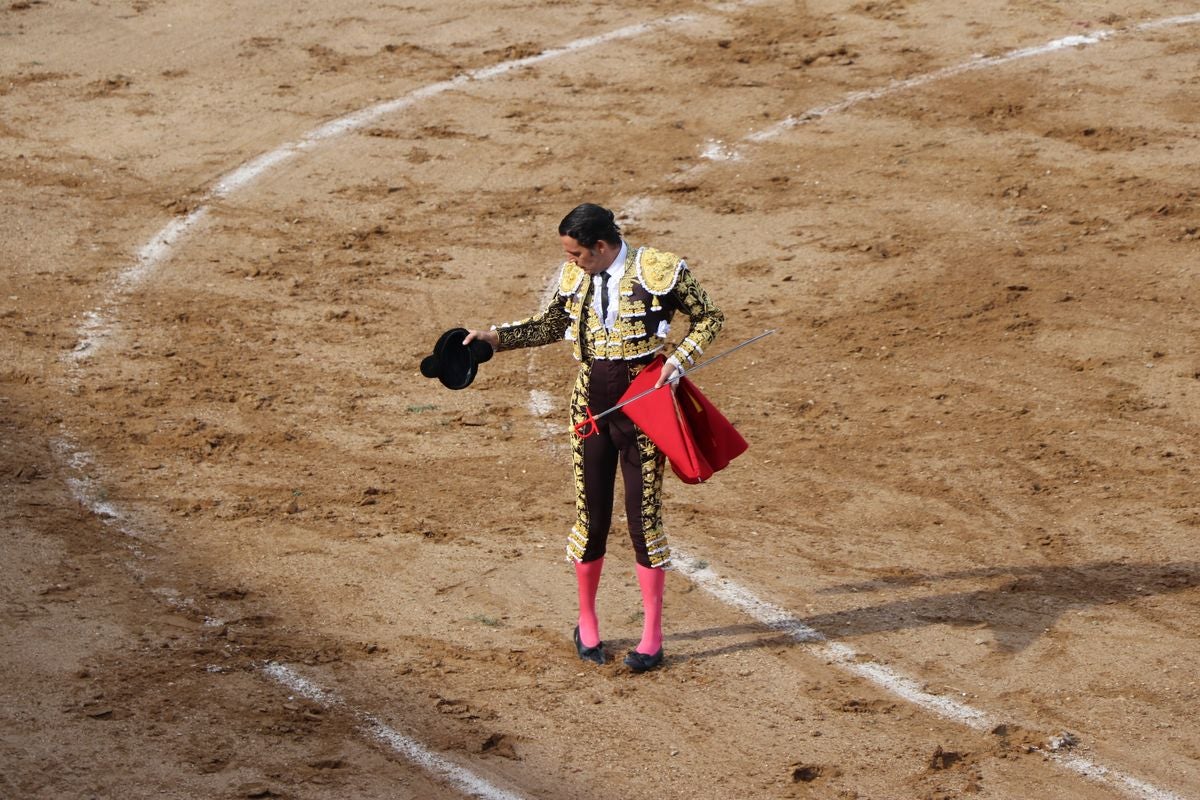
pixel 658 271
pixel 571 278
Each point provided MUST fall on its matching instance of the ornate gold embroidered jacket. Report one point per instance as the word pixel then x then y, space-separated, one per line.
pixel 655 285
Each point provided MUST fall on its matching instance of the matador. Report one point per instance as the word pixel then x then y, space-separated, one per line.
pixel 615 304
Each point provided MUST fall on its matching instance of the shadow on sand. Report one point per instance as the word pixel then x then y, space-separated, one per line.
pixel 1019 605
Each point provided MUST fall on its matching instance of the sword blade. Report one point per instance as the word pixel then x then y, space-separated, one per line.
pixel 675 378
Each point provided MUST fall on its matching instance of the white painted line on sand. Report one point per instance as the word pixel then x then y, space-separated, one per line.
pixel 1168 22
pixel 1131 786
pixel 98 324
pixel 435 764
pixel 776 618
pixel 733 594
pixel 718 151
pixel 978 63
pixel 89 496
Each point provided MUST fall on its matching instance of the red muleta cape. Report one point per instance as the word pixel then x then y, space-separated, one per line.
pixel 694 436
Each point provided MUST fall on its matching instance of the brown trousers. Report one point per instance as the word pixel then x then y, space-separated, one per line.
pixel 617 443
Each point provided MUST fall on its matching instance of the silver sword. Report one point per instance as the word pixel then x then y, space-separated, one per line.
pixel 592 419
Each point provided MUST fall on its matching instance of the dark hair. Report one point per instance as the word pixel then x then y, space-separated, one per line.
pixel 590 223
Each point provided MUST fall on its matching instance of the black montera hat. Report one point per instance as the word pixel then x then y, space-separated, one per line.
pixel 454 363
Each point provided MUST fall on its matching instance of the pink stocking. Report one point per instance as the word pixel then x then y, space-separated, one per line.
pixel 651 581
pixel 587 576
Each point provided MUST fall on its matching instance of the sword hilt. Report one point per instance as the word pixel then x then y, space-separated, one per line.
pixel 587 426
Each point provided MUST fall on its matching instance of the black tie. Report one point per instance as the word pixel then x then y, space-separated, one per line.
pixel 604 299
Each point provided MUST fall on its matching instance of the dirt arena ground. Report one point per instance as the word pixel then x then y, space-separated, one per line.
pixel 248 551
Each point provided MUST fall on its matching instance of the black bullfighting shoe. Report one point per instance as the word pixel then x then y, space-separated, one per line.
pixel 640 662
pixel 593 654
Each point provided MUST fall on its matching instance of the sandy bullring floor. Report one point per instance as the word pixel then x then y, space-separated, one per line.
pixel 960 558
